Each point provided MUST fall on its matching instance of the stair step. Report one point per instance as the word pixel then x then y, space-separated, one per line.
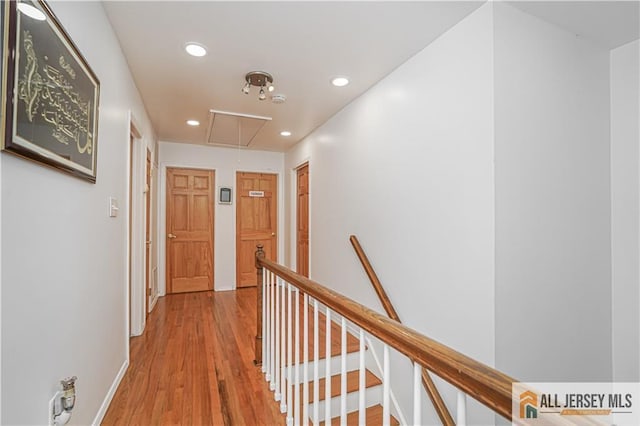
pixel 372 397
pixel 352 383
pixel 373 417
pixel 335 364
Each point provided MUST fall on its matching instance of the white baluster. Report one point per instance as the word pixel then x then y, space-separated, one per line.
pixel 289 358
pixel 276 314
pixel 296 392
pixel 272 339
pixel 386 378
pixel 461 410
pixel 343 373
pixel 283 345
pixel 361 382
pixel 327 374
pixel 417 391
pixel 265 318
pixel 267 309
pixel 316 366
pixel 305 362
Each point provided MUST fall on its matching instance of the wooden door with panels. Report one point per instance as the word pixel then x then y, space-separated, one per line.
pixel 302 220
pixel 190 198
pixel 256 222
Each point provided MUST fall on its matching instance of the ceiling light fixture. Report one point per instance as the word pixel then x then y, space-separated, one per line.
pixel 340 81
pixel 31 12
pixel 193 122
pixel 259 79
pixel 195 49
pixel 285 133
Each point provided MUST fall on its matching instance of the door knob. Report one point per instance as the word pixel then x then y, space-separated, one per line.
pixel 171 236
pixel 273 234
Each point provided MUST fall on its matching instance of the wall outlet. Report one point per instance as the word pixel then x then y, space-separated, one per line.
pixel 52 404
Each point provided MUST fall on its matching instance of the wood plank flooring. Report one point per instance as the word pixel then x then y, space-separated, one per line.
pixel 194 366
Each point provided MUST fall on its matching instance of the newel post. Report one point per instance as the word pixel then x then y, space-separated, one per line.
pixel 259 272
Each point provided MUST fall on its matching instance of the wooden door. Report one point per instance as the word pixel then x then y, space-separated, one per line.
pixel 131 145
pixel 256 222
pixel 190 198
pixel 147 236
pixel 302 221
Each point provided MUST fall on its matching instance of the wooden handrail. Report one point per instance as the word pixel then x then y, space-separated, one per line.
pixel 427 382
pixel 373 277
pixel 483 383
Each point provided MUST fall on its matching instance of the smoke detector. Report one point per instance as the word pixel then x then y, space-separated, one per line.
pixel 278 99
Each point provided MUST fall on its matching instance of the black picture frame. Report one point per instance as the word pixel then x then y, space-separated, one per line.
pixel 4 48
pixel 51 100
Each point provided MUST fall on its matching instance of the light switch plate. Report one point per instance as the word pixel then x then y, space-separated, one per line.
pixel 113 207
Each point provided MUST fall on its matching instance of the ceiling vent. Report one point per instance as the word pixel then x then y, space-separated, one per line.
pixel 232 128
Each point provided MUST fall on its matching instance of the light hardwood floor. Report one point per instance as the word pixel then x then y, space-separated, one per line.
pixel 194 366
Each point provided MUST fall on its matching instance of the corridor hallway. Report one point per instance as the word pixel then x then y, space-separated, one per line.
pixel 194 366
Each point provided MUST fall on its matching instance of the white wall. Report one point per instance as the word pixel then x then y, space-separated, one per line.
pixel 226 162
pixel 625 212
pixel 64 274
pixel 408 168
pixel 553 284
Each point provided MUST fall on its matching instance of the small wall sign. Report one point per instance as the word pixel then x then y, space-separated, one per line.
pixel 256 194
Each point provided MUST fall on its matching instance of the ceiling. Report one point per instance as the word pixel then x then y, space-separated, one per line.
pixel 607 23
pixel 303 45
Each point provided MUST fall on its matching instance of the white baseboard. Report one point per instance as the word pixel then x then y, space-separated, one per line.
pixel 112 391
pixel 153 303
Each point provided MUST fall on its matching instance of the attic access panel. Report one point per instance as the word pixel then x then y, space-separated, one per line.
pixel 232 128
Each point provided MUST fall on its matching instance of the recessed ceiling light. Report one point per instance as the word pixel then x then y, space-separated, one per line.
pixel 31 12
pixel 340 81
pixel 193 122
pixel 285 133
pixel 195 49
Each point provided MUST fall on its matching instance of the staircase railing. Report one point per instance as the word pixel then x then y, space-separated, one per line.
pixel 427 382
pixel 289 372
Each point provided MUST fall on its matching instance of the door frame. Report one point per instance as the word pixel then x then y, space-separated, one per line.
pixel 148 232
pixel 293 213
pixel 135 219
pixel 162 221
pixel 279 210
pixel 213 225
pixel 305 164
pixel 280 242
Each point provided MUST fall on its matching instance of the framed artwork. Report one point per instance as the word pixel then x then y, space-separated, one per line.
pixel 52 95
pixel 4 47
